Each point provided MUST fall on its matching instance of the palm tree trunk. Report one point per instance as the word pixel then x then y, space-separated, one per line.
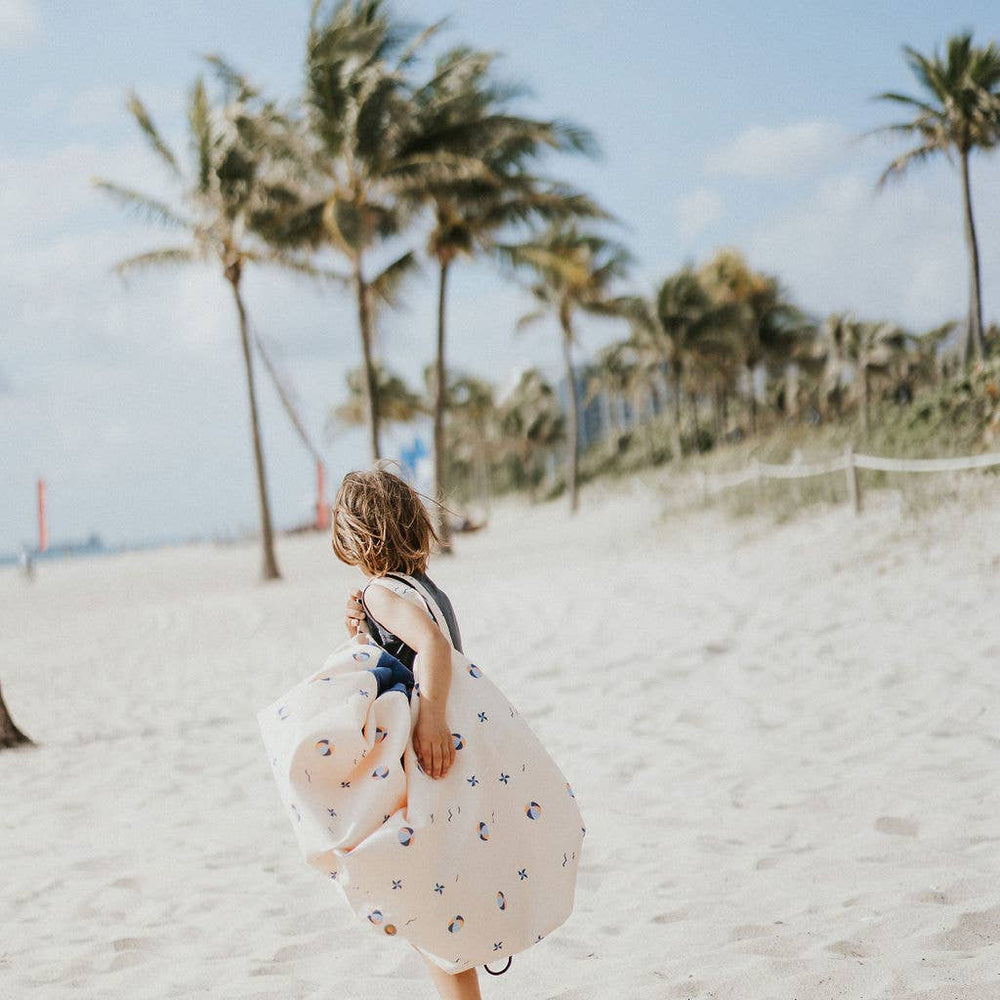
pixel 269 567
pixel 974 325
pixel 675 430
pixel 574 417
pixel 10 735
pixel 369 382
pixel 440 387
pixel 865 397
pixel 751 399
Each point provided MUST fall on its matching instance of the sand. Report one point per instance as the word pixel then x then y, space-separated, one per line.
pixel 785 740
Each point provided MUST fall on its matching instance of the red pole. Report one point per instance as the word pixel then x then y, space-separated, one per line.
pixel 322 514
pixel 43 530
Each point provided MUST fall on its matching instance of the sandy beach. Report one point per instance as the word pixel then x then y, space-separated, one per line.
pixel 785 740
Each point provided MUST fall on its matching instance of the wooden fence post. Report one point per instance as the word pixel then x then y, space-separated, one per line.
pixel 853 488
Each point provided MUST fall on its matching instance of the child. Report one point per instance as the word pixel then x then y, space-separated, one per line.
pixel 381 526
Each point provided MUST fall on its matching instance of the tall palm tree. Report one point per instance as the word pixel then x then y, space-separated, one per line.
pixel 239 171
pixel 478 183
pixel 680 320
pixel 958 113
pixel 574 271
pixel 358 121
pixel 769 323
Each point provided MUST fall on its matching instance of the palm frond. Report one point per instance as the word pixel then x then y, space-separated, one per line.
pixel 143 205
pixel 387 283
pixel 145 121
pixel 530 319
pixel 162 258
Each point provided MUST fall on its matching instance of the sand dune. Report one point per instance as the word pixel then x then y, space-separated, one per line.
pixel 784 740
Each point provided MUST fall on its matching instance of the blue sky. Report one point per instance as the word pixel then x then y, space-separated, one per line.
pixel 721 124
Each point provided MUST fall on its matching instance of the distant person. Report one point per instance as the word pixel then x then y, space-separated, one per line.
pixel 26 564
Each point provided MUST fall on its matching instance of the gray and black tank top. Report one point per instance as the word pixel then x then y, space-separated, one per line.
pixel 395 645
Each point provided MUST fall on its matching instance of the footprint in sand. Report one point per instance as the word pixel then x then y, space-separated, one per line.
pixel 897 826
pixel 849 949
pixel 975 930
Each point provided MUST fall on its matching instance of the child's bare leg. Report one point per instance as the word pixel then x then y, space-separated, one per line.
pixel 461 986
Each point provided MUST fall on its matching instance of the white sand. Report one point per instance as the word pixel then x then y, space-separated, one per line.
pixel 784 740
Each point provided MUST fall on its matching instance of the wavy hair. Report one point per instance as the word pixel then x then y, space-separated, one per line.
pixel 381 524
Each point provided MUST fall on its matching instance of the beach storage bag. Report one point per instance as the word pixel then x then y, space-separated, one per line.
pixel 469 868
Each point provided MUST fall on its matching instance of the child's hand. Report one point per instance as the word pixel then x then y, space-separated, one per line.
pixel 433 744
pixel 355 614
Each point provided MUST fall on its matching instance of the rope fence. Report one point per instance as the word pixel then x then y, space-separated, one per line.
pixel 848 463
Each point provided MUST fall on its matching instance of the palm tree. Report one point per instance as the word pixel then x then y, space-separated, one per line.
pixel 395 401
pixel 958 113
pixel 681 320
pixel 574 272
pixel 359 122
pixel 477 183
pixel 532 422
pixel 769 323
pixel 621 372
pixel 870 347
pixel 239 173
pixel 472 435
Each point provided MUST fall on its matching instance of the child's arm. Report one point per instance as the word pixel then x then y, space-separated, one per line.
pixel 431 737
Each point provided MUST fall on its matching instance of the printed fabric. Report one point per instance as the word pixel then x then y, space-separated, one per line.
pixel 469 868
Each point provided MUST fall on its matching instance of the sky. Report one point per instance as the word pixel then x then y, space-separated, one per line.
pixel 720 124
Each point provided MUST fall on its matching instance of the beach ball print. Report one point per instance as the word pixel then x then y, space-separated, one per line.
pixel 324 748
pixel 532 810
pixel 406 835
pixel 375 917
pixel 381 772
pixel 380 734
pixel 484 832
pixel 456 924
pixel 501 901
pixel 475 671
pixel 456 738
pixel 361 655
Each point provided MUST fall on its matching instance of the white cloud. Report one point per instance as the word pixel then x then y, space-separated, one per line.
pixel 783 152
pixel 697 211
pixel 898 254
pixel 18 23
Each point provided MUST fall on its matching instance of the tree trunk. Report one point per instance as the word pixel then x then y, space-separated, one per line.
pixel 752 399
pixel 10 735
pixel 974 324
pixel 440 393
pixel 694 418
pixel 574 417
pixel 675 431
pixel 865 397
pixel 717 412
pixel 269 566
pixel 369 382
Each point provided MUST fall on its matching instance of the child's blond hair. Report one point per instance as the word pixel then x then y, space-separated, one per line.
pixel 380 524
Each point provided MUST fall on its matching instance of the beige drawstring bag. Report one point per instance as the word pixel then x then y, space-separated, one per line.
pixel 469 868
